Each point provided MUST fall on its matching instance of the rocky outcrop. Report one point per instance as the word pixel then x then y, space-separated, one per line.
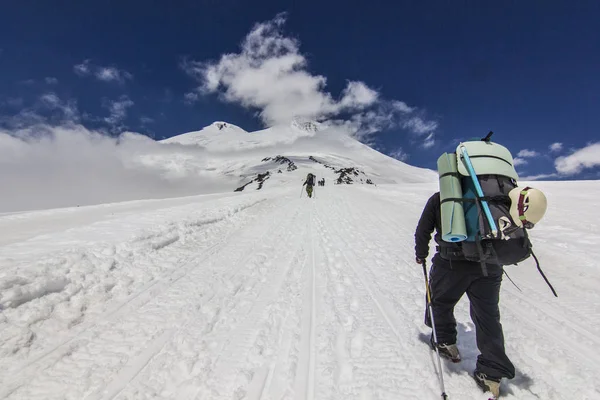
pixel 282 160
pixel 346 176
pixel 220 125
pixel 311 158
pixel 260 179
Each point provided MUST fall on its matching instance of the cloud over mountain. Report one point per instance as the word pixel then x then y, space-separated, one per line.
pixel 271 75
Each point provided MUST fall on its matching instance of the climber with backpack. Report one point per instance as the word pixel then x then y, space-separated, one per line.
pixel 309 183
pixel 481 219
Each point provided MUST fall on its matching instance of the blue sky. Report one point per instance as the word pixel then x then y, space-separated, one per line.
pixel 424 74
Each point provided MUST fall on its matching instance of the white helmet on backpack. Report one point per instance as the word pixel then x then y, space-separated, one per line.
pixel 528 206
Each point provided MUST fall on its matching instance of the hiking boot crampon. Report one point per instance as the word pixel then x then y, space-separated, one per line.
pixel 447 350
pixel 487 383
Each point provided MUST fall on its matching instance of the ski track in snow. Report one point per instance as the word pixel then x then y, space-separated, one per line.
pixel 285 298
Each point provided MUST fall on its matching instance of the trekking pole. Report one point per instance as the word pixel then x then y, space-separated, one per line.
pixel 430 309
pixel 537 263
pixel 301 190
pixel 511 281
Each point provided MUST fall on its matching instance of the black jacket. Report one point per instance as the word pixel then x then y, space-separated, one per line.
pixel 451 254
pixel 310 181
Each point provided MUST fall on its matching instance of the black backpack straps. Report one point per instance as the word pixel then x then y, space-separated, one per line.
pixel 489 199
pixel 482 258
pixel 484 270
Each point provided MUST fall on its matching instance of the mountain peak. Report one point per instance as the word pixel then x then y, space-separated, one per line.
pixel 224 126
pixel 306 125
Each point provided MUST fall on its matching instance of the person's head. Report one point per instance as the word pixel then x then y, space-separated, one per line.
pixel 528 206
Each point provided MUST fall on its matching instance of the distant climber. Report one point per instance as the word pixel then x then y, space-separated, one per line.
pixel 309 182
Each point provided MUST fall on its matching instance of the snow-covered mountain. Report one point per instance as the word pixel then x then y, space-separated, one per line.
pixel 309 146
pixel 73 166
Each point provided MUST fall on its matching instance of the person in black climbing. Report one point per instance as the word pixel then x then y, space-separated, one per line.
pixel 450 277
pixel 309 183
pixel 323 180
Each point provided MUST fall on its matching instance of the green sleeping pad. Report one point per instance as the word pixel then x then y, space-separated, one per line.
pixel 453 216
pixel 487 159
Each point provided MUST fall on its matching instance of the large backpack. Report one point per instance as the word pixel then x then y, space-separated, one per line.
pixel 310 180
pixel 464 218
pixel 511 244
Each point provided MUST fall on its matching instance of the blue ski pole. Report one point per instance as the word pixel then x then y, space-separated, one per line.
pixel 484 204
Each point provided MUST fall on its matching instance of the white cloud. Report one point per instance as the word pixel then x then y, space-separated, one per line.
pixel 105 74
pixel 368 122
pixel 537 177
pixel 519 161
pixel 109 74
pixel 25 117
pixel 51 80
pixel 117 109
pixel 47 166
pixel 402 106
pixel 82 69
pixel 271 75
pixel 587 157
pixel 527 153
pixel 555 147
pixel 50 100
pixel 429 141
pixel 47 108
pixel 146 120
pixel 67 108
pixel 399 155
pixel 420 126
pixel 358 95
pixel 190 98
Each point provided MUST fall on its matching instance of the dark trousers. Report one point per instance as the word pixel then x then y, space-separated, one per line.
pixel 447 287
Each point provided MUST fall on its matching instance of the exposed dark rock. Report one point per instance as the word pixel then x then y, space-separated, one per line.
pixel 243 187
pixel 260 178
pixel 320 162
pixel 345 174
pixel 282 160
pixel 307 126
pixel 220 125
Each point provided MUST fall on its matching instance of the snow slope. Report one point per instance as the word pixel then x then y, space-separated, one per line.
pixel 266 295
